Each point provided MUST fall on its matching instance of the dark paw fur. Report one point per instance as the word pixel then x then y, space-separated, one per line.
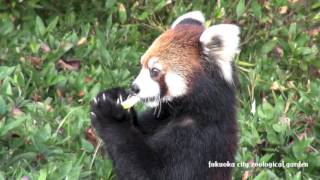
pixel 106 107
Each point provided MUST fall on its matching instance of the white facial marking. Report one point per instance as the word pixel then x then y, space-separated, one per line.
pixel 148 87
pixel 228 34
pixel 152 61
pixel 196 15
pixel 158 66
pixel 176 85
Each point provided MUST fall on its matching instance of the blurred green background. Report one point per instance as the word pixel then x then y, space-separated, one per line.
pixel 55 56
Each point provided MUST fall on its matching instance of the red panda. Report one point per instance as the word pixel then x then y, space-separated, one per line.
pixel 187 80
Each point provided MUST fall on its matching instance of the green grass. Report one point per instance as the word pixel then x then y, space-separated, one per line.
pixel 44 102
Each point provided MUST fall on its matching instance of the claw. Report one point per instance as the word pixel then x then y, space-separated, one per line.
pixel 118 101
pixel 95 100
pixel 93 114
pixel 104 96
pixel 120 97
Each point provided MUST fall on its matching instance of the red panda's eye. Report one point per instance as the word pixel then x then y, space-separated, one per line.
pixel 154 72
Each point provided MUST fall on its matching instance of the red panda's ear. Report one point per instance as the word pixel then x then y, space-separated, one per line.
pixel 221 43
pixel 194 17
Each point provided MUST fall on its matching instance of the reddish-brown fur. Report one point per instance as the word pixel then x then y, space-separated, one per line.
pixel 178 50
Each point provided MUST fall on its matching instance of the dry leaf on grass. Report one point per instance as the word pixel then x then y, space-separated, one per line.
pixel 278 52
pixel 45 48
pixel 91 137
pixel 283 10
pixel 16 111
pixel 314 31
pixel 35 61
pixel 82 41
pixel 245 175
pixel 71 65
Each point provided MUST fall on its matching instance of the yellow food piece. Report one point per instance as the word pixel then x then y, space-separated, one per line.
pixel 131 101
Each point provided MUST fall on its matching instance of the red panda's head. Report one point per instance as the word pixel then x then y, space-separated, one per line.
pixel 170 63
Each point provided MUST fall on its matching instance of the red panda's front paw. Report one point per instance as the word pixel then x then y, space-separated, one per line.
pixel 106 108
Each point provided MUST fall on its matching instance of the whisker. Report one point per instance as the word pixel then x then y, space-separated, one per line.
pixel 155 110
pixel 170 105
pixel 159 101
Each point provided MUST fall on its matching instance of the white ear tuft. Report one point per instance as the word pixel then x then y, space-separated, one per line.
pixel 221 40
pixel 194 15
pixel 221 43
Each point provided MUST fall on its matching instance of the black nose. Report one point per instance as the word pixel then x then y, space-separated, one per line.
pixel 135 88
